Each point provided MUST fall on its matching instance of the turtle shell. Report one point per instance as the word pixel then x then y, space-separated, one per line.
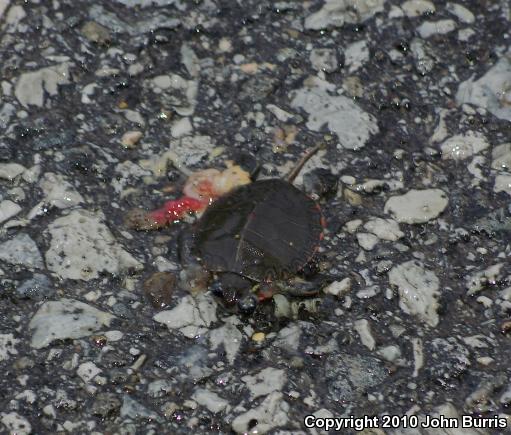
pixel 265 230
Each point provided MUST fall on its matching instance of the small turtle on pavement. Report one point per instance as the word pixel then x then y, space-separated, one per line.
pixel 263 232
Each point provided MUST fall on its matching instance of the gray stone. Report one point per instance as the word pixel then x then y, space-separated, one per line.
pixel 417 206
pixel 106 405
pixel 31 86
pixel 336 13
pixel 257 88
pixel 324 59
pixel 65 318
pixel 418 290
pixel 343 117
pixel 21 250
pixel 349 376
pixel 95 32
pixel 134 410
pixel 192 316
pixel 271 413
pixel 82 246
pixel 191 150
pixel 491 91
pixel 9 171
pixel 8 209
pixel 440 27
pixel 38 287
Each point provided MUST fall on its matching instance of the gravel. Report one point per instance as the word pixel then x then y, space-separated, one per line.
pixel 109 106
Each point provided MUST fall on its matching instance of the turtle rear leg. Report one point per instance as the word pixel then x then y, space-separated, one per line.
pixel 298 287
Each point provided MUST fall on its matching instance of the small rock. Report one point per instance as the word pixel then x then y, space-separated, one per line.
pixel 367 241
pixel 279 113
pixel 440 27
pixel 65 318
pixel 134 117
pixel 95 32
pixel 82 246
pixel 210 400
pixel 461 12
pixel 352 125
pixel 225 45
pixel 9 171
pixel 190 60
pixel 180 128
pixel 385 229
pixel 324 59
pixel 390 353
pixel 87 371
pixel 335 13
pixel 462 146
pixel 288 337
pixel 159 288
pixel 15 423
pixel 7 346
pixel 131 138
pixel 38 287
pixel 282 306
pixel 177 92
pixel 106 405
pixel 501 157
pixel 352 226
pixel 356 55
pixel 418 290
pixel 417 206
pixel 8 209
pixel 338 288
pixel 229 337
pixel 271 413
pixel 490 91
pixel 58 192
pixel 191 150
pixel 348 376
pixel 121 310
pixel 257 88
pixel 7 146
pixel 32 87
pixel 259 337
pixel 415 8
pixel 363 329
pixel 265 382
pixel 191 316
pixel 21 250
pixel 503 183
pixel 485 278
pixel 160 388
pixel 134 410
pixel 424 62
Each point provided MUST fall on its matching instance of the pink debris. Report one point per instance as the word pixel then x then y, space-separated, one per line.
pixel 175 210
pixel 200 190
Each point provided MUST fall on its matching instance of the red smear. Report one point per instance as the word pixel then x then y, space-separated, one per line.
pixel 265 294
pixel 176 209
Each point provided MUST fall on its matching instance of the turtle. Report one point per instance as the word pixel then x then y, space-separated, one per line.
pixel 259 235
pixel 255 238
